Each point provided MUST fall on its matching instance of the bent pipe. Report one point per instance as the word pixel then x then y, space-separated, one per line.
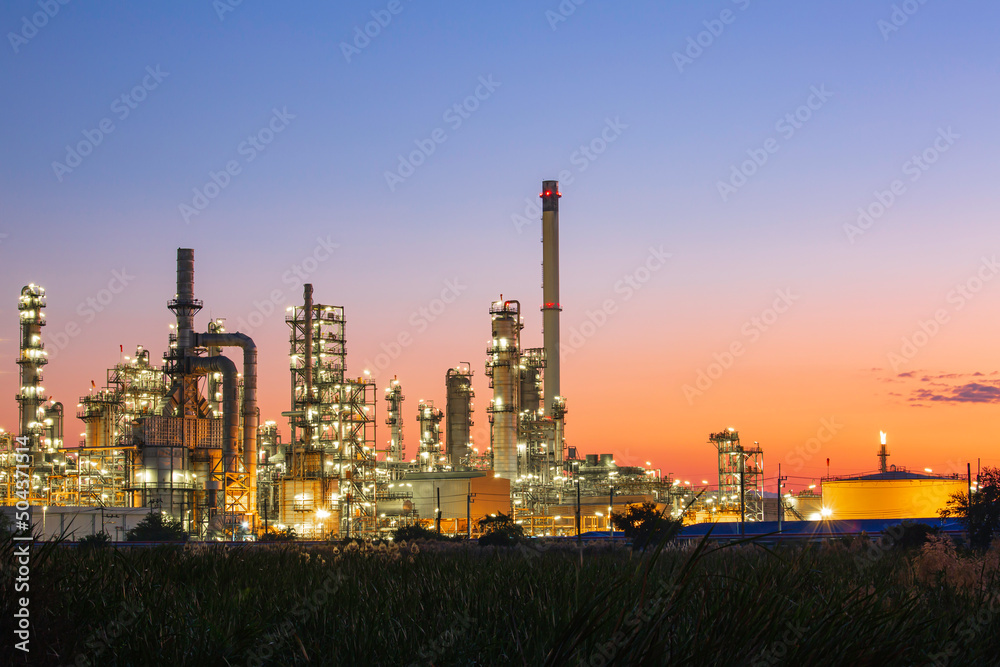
pixel 250 415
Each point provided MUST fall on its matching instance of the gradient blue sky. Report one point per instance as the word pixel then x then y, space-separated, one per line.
pixel 656 185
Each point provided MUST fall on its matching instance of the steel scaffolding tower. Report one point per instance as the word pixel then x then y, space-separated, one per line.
pixel 330 483
pixel 741 476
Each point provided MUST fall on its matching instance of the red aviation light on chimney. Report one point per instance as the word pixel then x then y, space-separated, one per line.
pixel 548 193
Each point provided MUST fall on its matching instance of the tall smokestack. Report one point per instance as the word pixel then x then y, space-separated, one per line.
pixel 550 290
pixel 184 305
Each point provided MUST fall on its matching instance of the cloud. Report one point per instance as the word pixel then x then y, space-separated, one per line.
pixel 972 392
pixel 927 388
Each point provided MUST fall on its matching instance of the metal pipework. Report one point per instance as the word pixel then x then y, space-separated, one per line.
pixel 550 290
pixel 230 400
pixel 250 415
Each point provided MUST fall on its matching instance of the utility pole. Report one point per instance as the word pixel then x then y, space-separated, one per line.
pixel 439 510
pixel 578 538
pixel 468 515
pixel 781 499
pixel 611 507
pixel 743 509
pixel 968 472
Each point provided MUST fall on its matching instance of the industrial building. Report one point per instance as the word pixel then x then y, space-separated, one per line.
pixel 185 437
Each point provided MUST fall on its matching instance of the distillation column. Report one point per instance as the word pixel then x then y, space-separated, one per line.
pixel 31 395
pixel 430 418
pixel 458 439
pixel 394 420
pixel 503 367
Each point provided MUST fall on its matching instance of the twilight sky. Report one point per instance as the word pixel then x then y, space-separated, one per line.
pixel 776 216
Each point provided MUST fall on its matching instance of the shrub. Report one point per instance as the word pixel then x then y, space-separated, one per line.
pixel 645 525
pixel 908 535
pixel 95 541
pixel 157 527
pixel 418 532
pixel 499 531
pixel 285 535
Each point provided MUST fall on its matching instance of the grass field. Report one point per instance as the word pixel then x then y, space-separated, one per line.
pixel 459 604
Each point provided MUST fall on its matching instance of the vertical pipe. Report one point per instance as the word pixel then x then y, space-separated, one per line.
pixel 550 290
pixel 781 503
pixel 185 305
pixel 307 295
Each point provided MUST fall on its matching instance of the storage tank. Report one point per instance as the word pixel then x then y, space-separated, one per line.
pixel 889 495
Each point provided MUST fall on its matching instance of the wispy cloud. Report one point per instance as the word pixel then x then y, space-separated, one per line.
pixel 922 389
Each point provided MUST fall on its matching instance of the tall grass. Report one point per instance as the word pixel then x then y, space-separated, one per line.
pixel 460 604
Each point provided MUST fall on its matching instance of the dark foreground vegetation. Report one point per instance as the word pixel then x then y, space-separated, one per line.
pixel 534 603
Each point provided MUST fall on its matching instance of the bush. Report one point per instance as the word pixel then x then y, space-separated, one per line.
pixel 95 541
pixel 285 535
pixel 908 535
pixel 499 531
pixel 982 516
pixel 157 527
pixel 418 532
pixel 645 525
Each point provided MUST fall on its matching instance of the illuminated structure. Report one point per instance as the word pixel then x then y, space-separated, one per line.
pixel 395 455
pixel 330 483
pixel 459 407
pixel 741 476
pixel 430 457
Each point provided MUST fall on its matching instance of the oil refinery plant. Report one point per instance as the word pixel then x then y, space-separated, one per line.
pixel 185 437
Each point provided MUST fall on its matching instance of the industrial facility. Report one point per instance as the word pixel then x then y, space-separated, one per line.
pixel 184 437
